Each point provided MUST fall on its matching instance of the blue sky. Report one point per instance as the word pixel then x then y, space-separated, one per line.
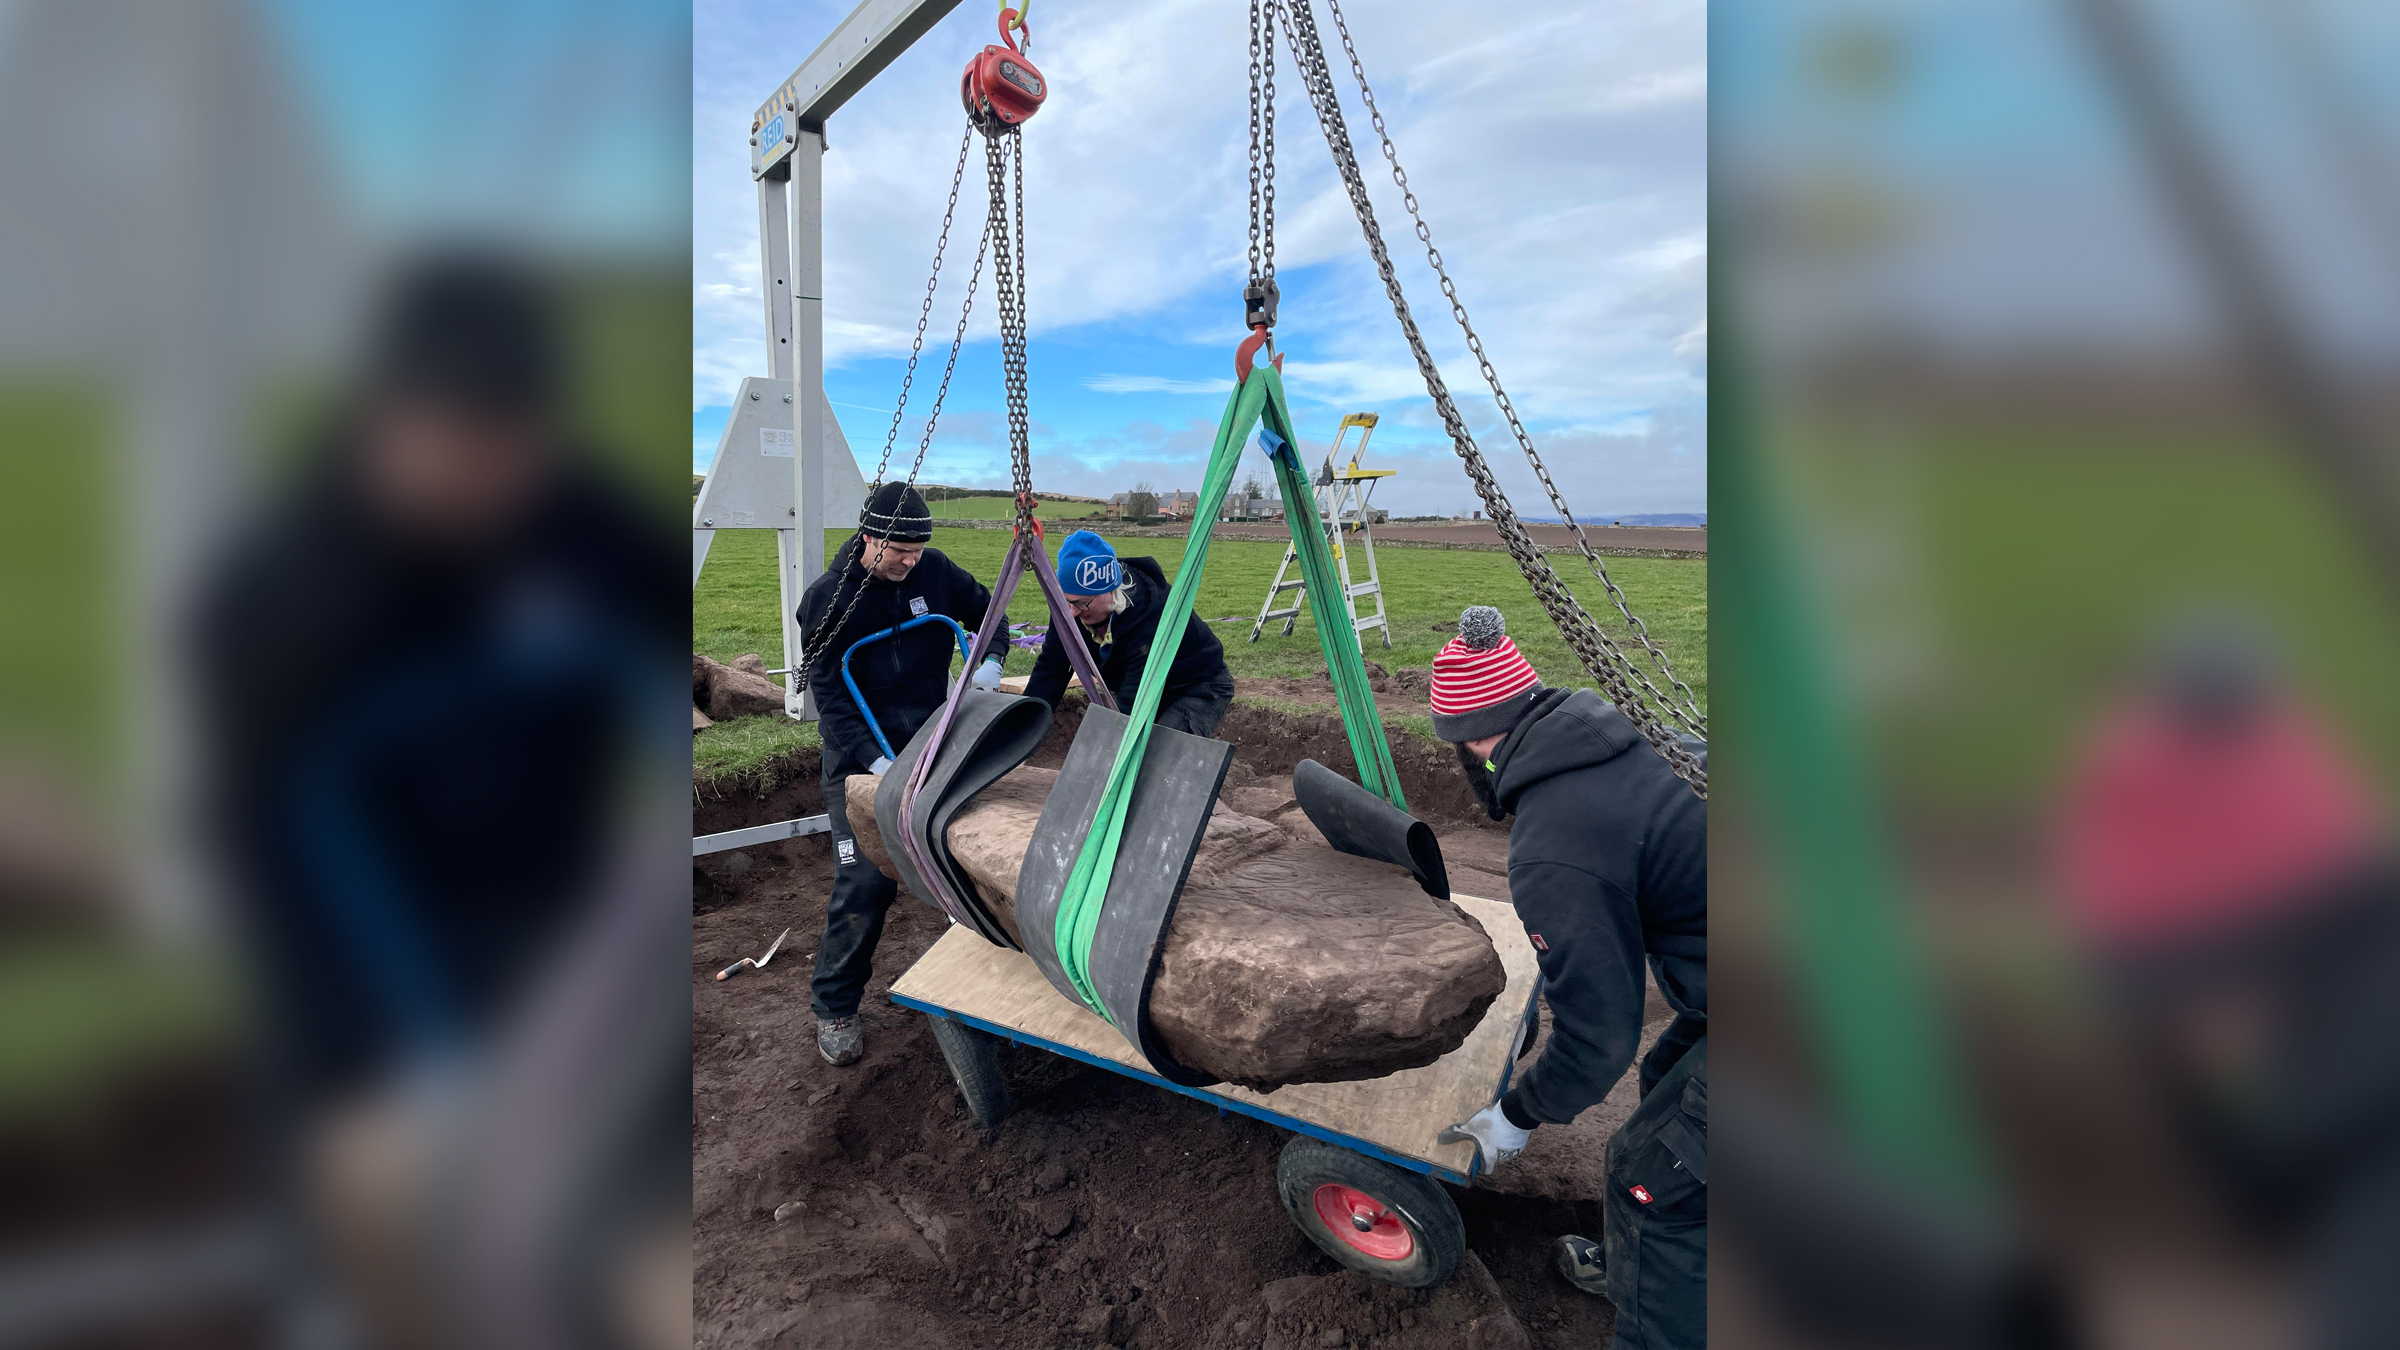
pixel 554 119
pixel 2007 207
pixel 1560 157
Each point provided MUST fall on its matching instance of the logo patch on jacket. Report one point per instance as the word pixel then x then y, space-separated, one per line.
pixel 1639 1194
pixel 916 605
pixel 1538 944
pixel 847 850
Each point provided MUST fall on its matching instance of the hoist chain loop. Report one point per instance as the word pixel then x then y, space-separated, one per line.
pixel 1260 296
pixel 1004 158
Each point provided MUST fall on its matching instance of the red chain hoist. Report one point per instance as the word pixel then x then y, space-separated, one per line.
pixel 1001 88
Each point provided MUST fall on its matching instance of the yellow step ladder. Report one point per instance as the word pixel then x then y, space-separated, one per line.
pixel 1342 495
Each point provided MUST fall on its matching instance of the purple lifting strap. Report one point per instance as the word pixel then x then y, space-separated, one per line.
pixel 1026 546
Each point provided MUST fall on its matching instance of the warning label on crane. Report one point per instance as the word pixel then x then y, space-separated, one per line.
pixel 776 441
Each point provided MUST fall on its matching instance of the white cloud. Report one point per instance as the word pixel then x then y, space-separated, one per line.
pixel 1155 384
pixel 1560 158
pixel 1573 133
pixel 1347 382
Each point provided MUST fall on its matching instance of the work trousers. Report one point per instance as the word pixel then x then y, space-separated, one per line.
pixel 854 916
pixel 1200 711
pixel 1656 1208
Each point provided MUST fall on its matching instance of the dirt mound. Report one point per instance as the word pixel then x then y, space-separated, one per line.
pixel 1271 742
pixel 1102 1212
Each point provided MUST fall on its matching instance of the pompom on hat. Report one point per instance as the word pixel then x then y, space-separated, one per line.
pixel 1482 684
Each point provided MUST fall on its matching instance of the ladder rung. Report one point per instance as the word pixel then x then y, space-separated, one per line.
pixel 1364 588
pixel 1362 625
pixel 1279 614
pixel 1287 585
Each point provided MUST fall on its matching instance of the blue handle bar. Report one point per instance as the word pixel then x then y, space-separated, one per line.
pixel 965 649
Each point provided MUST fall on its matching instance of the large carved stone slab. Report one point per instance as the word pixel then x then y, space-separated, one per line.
pixel 1286 962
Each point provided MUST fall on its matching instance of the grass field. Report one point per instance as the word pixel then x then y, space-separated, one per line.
pixel 1001 508
pixel 734 611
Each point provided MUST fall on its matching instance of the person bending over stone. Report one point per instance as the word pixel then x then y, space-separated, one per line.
pixel 893 577
pixel 1608 869
pixel 1118 602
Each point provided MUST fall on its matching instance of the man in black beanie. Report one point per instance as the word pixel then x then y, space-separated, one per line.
pixel 883 577
pixel 1608 870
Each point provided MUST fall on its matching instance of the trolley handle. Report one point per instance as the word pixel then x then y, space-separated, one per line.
pixel 964 651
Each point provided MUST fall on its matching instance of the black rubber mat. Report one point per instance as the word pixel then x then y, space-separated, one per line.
pixel 1173 794
pixel 1359 823
pixel 992 733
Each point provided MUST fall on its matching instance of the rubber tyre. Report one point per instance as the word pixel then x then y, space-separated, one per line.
pixel 974 1060
pixel 1424 1209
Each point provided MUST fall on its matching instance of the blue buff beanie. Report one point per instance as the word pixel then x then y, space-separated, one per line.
pixel 1087 565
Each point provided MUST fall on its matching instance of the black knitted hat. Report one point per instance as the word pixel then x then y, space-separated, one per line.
pixel 896 512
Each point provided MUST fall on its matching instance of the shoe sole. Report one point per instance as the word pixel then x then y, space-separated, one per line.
pixel 1595 1283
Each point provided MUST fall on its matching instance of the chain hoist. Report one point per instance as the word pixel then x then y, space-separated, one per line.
pixel 1001 88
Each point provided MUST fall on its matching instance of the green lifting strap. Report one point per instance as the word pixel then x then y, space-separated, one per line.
pixel 1259 402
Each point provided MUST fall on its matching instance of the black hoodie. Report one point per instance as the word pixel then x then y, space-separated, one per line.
pixel 1607 867
pixel 1199 660
pixel 905 679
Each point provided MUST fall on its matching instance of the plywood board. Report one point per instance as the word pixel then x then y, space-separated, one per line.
pixel 1400 1113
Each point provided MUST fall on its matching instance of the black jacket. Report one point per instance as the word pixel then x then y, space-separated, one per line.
pixel 1607 866
pixel 906 678
pixel 411 750
pixel 1199 662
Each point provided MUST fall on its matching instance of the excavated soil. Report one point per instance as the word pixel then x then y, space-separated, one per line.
pixel 1103 1212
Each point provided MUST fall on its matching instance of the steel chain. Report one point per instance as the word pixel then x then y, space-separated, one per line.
pixel 1257 9
pixel 1262 143
pixel 1687 710
pixel 1267 155
pixel 1601 656
pixel 1005 159
pixel 813 646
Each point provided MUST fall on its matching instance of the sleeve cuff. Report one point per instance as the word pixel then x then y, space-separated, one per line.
pixel 1516 1113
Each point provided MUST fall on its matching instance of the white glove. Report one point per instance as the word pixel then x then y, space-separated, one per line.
pixel 879 765
pixel 987 675
pixel 1496 1141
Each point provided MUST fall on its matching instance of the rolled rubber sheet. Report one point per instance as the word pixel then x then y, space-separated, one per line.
pixel 1173 793
pixel 991 733
pixel 1357 822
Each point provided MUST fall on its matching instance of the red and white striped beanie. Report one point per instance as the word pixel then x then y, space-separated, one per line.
pixel 1481 683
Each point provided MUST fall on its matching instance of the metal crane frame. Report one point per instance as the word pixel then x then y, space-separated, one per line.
pixel 787 150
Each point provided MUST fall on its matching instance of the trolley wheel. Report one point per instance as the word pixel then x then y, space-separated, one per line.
pixel 1394 1226
pixel 974 1060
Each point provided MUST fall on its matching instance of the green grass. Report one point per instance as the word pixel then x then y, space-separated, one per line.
pixel 79 1011
pixel 2048 557
pixel 734 611
pixel 1002 508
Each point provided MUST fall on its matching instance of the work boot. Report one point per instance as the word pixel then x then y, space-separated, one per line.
pixel 1579 1261
pixel 840 1039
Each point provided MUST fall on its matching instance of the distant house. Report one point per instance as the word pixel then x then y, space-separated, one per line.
pixel 1178 505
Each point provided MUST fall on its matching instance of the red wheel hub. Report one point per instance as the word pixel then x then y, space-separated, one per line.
pixel 1364 1222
